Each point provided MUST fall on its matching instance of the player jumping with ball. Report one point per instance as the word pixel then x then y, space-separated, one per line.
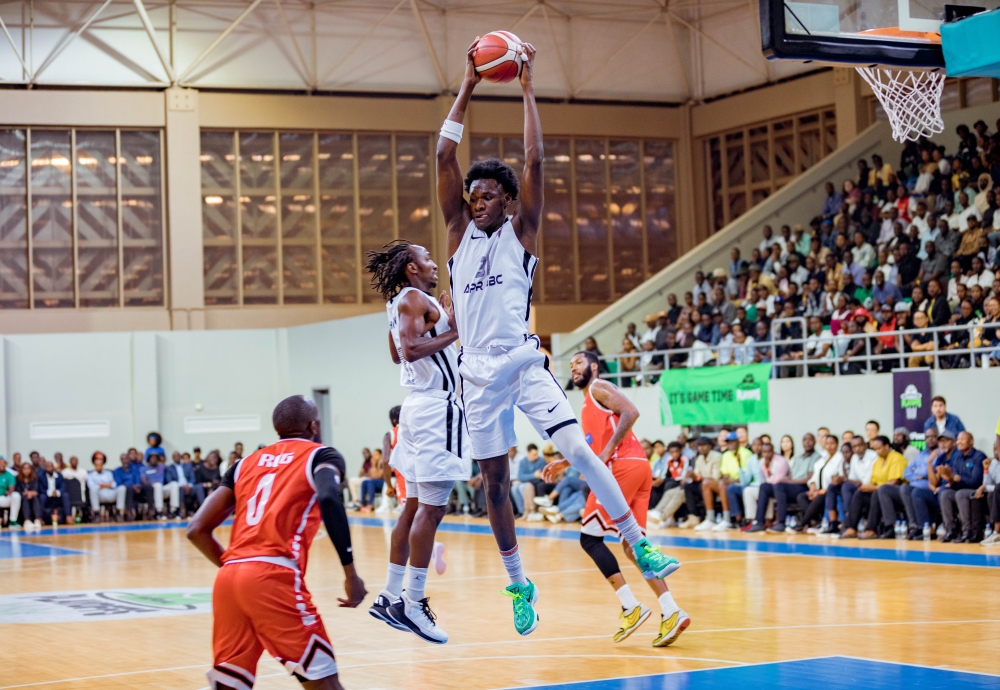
pixel 493 260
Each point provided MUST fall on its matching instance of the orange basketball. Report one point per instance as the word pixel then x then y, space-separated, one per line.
pixel 499 56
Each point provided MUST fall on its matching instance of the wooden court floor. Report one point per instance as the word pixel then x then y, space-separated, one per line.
pixel 749 602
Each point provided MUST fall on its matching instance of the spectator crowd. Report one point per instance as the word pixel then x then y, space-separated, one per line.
pixel 145 486
pixel 889 254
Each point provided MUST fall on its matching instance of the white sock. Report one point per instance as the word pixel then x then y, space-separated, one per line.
pixel 512 563
pixel 668 604
pixel 629 528
pixel 394 579
pixel 629 602
pixel 416 580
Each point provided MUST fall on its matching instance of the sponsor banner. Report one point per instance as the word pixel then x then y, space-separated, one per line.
pixel 715 395
pixel 103 604
pixel 911 399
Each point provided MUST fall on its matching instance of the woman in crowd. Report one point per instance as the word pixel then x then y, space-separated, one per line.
pixel 372 485
pixel 628 363
pixel 31 502
pixel 787 447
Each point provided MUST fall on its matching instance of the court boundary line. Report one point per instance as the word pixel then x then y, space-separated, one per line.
pixel 747 546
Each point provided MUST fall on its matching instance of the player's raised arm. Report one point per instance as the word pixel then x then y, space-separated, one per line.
pixel 413 325
pixel 613 399
pixel 529 213
pixel 450 183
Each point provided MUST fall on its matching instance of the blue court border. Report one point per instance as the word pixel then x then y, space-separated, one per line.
pixel 792 548
pixel 829 673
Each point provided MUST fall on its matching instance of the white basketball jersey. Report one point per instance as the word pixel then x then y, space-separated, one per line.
pixel 491 287
pixel 436 372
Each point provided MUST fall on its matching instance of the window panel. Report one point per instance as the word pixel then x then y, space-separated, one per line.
pixel 218 219
pixel 299 264
pixel 260 274
pixel 13 220
pixel 557 230
pixel 51 219
pixel 626 215
pixel 375 208
pixel 337 223
pixel 142 219
pixel 97 218
pixel 591 220
pixel 661 235
pixel 978 91
pixel 482 148
pixel 413 184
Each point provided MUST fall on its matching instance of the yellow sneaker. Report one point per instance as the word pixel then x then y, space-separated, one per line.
pixel 671 628
pixel 631 621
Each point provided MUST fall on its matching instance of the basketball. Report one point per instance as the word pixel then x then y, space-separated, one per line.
pixel 499 56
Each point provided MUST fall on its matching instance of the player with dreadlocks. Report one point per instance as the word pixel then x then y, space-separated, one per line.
pixel 428 452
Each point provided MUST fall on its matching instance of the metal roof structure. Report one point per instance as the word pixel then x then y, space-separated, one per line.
pixel 619 50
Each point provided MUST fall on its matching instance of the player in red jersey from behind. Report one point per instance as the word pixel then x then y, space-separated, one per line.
pixel 280 494
pixel 607 418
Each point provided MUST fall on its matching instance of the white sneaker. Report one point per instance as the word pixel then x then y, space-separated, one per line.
pixel 38 525
pixel 535 517
pixel 723 526
pixel 543 501
pixel 556 517
pixel 418 617
pixel 548 510
pixel 437 558
pixel 992 540
pixel 655 516
pixel 705 525
pixel 690 522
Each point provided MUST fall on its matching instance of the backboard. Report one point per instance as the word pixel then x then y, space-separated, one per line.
pixel 901 33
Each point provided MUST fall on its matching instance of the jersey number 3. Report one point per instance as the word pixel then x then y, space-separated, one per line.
pixel 258 502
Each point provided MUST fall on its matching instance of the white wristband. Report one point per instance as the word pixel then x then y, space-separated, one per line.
pixel 452 130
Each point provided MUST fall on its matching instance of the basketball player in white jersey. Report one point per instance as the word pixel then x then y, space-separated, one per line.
pixel 493 260
pixel 428 451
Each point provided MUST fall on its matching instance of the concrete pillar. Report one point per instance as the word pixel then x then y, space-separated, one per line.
pixel 849 103
pixel 685 197
pixel 186 262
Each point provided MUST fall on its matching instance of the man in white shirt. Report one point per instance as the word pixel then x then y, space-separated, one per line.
pixel 101 486
pixel 860 472
pixel 920 220
pixel 980 275
pixel 701 287
pixel 768 240
pixel 651 329
pixel 863 253
pixel 796 272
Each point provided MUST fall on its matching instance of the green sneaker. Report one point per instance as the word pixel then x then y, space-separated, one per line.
pixel 525 597
pixel 652 563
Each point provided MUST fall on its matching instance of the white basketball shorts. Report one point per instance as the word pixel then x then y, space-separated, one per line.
pixel 494 381
pixel 432 445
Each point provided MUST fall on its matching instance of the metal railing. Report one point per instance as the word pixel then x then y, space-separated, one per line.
pixel 793 355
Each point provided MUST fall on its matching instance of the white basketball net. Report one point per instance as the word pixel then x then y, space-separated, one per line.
pixel 911 100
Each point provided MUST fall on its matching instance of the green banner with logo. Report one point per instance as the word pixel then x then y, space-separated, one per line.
pixel 715 395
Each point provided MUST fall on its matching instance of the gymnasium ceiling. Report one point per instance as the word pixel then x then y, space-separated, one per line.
pixel 632 50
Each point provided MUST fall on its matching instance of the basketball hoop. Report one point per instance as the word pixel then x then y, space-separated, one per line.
pixel 911 100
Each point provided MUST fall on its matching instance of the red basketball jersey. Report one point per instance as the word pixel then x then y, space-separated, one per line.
pixel 277 511
pixel 599 424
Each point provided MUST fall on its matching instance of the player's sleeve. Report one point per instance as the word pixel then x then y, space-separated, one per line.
pixel 329 469
pixel 229 481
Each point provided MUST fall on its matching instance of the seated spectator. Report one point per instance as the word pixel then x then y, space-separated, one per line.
pixel 155 445
pixel 667 494
pixel 53 487
pixel 959 479
pixel 706 465
pixel 732 460
pixel 743 351
pixel 934 266
pixel 773 469
pixel 942 419
pixel 531 484
pixel 101 487
pixel 701 286
pixel 353 483
pixel 829 464
pixel 859 488
pixel 180 485
pixel 28 486
pixel 153 475
pixel 851 344
pixel 652 327
pixel 572 491
pixel 991 479
pixel 207 473
pixel 795 482
pixel 887 475
pixel 970 241
pixel 649 362
pixel 752 474
pixel 831 203
pixel 9 498
pixel 372 485
pixel 628 363
pixel 979 274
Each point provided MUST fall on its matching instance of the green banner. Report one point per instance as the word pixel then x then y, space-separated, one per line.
pixel 715 395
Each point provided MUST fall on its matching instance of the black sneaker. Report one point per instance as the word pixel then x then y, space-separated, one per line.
pixel 380 609
pixel 418 618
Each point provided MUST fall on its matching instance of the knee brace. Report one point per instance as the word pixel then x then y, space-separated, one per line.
pixel 600 554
